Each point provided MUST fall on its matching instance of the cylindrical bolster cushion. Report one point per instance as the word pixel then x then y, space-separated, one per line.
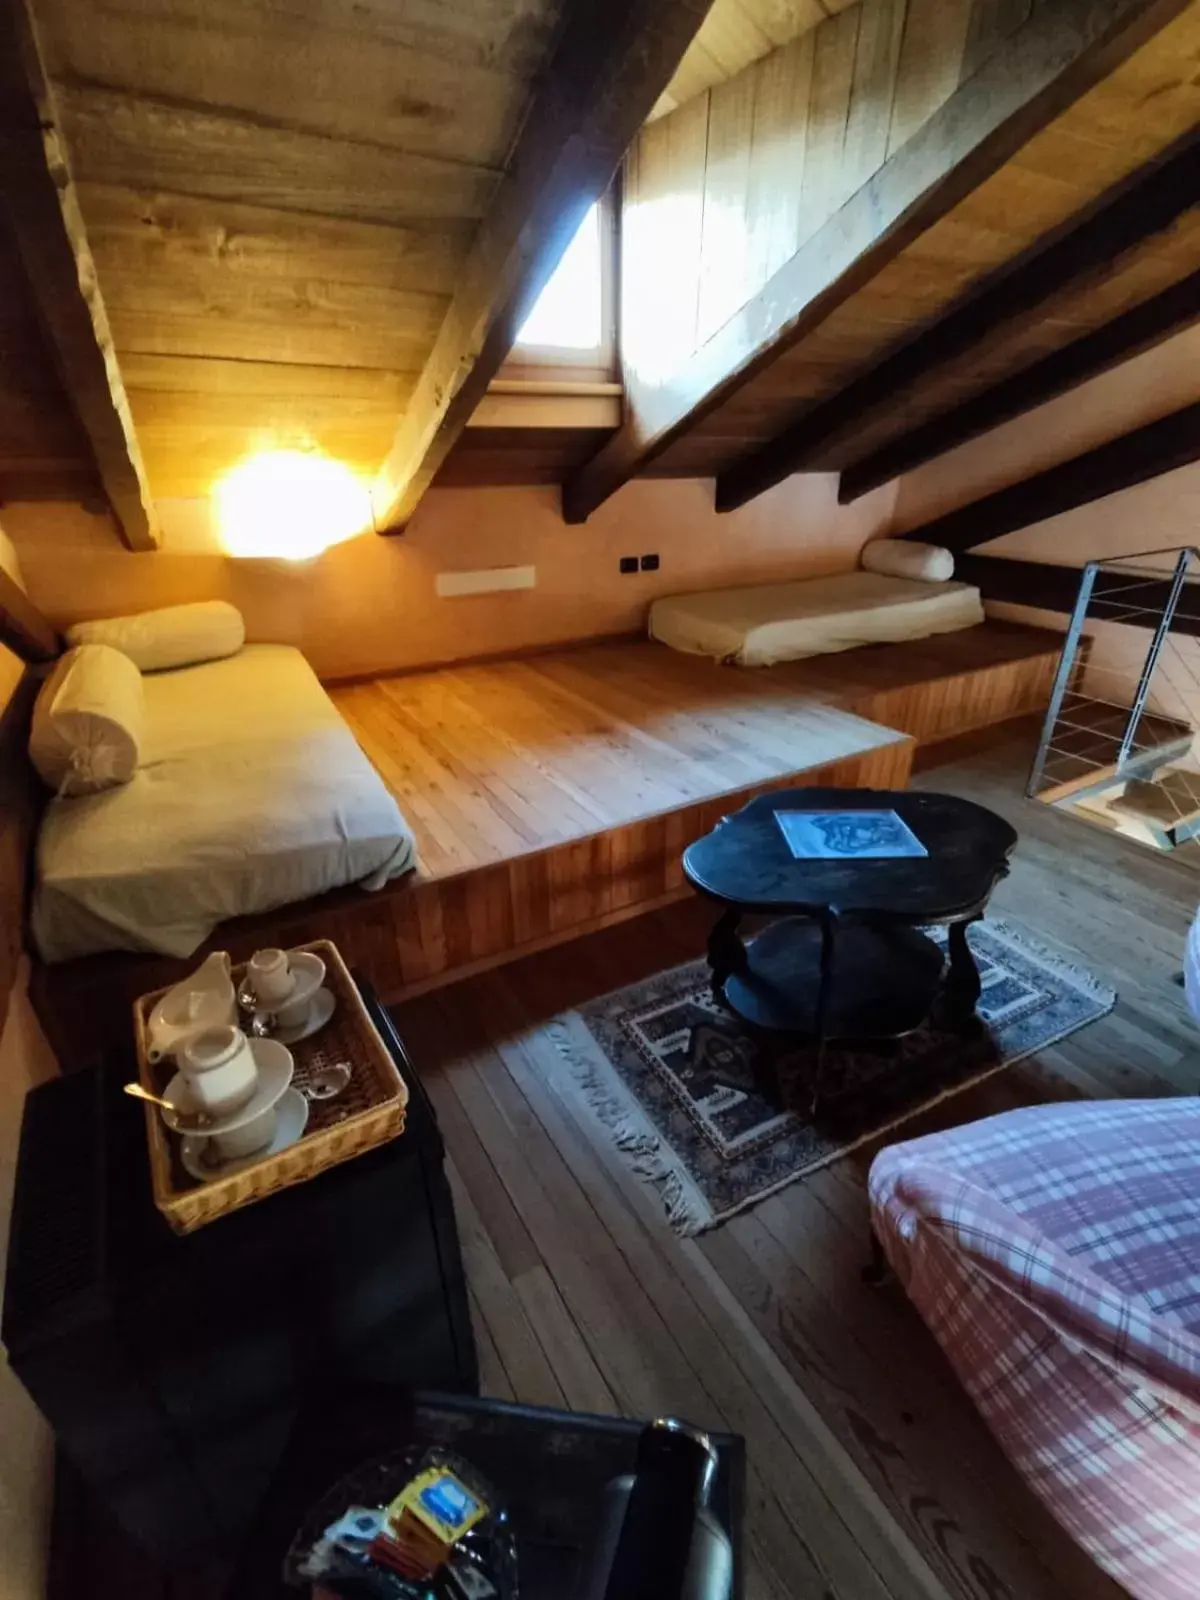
pixel 88 722
pixel 176 636
pixel 905 558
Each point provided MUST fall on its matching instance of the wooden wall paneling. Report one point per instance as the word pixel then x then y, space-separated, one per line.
pixel 23 629
pixel 930 66
pixel 778 152
pixel 1138 329
pixel 1015 295
pixel 876 70
pixel 43 214
pixel 609 65
pixel 1125 120
pixel 662 233
pixel 1147 452
pixel 1032 75
pixel 725 229
pixel 823 186
pixel 734 34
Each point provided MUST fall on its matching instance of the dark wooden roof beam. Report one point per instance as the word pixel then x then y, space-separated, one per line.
pixel 38 197
pixel 1145 204
pixel 613 60
pixel 1173 441
pixel 1125 336
pixel 1050 587
pixel 1044 66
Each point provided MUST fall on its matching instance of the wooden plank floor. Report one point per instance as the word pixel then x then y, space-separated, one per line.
pixel 493 760
pixel 870 1474
pixel 490 761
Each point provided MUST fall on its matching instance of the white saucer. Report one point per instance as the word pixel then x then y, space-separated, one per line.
pixel 291 1119
pixel 320 1008
pixel 275 1069
pixel 308 974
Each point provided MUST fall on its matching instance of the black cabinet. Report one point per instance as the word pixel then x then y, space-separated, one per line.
pixel 171 1369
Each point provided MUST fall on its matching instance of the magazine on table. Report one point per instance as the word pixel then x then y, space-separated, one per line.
pixel 849 836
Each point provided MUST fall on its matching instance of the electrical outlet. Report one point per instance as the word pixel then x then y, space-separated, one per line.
pixel 629 563
pixel 650 562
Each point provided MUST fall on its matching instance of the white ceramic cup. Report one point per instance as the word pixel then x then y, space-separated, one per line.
pixel 251 1136
pixel 295 1016
pixel 219 1069
pixel 270 977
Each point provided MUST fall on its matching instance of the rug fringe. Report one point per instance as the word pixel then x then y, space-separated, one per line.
pixel 642 1148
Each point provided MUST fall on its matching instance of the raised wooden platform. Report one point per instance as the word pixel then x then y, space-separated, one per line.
pixel 554 795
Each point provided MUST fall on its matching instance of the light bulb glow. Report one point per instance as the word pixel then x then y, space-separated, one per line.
pixel 289 505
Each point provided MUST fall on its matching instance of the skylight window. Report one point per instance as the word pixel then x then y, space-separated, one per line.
pixel 569 314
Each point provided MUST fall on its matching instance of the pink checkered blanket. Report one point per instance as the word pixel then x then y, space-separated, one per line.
pixel 1054 1252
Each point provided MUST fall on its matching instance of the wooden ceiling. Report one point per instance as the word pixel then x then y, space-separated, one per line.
pixel 317 223
pixel 803 347
pixel 736 33
pixel 279 199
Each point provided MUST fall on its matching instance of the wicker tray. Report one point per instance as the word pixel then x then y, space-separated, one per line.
pixel 368 1112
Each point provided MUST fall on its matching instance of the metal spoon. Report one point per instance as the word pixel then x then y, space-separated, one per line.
pixel 327 1082
pixel 197 1119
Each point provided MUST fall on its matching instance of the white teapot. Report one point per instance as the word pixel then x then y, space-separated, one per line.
pixel 205 1000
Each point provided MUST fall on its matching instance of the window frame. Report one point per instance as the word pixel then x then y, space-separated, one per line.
pixel 541 364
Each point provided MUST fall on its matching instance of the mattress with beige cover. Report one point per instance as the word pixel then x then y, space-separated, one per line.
pixel 252 793
pixel 774 622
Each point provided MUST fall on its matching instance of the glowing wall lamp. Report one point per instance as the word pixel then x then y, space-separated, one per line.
pixel 289 505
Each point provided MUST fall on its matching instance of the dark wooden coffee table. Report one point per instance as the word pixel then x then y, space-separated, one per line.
pixel 846 958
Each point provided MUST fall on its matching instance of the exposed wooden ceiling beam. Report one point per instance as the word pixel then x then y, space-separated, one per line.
pixel 1173 441
pixel 1054 588
pixel 1145 204
pixel 1125 336
pixel 23 628
pixel 1044 66
pixel 38 198
pixel 612 61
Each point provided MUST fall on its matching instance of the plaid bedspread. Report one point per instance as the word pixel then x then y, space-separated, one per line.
pixel 1054 1252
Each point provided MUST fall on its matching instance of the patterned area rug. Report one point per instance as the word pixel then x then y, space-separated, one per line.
pixel 670 1073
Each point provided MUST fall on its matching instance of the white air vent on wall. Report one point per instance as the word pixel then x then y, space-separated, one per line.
pixel 489 581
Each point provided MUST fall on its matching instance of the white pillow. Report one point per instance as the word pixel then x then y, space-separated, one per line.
pixel 176 636
pixel 88 721
pixel 905 558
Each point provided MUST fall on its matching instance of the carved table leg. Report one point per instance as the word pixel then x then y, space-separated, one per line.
pixel 726 952
pixel 962 988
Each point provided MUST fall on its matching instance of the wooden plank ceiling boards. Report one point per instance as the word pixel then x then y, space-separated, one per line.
pixel 301 213
pixel 982 328
pixel 45 232
pixel 935 142
pixel 736 33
